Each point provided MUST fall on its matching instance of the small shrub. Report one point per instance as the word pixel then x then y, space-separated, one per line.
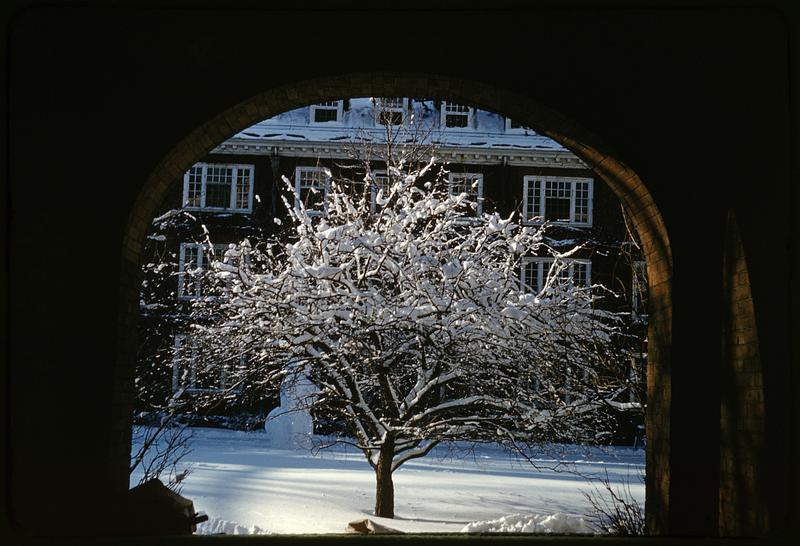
pixel 614 509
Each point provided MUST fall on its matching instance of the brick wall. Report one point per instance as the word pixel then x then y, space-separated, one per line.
pixel 743 507
pixel 133 107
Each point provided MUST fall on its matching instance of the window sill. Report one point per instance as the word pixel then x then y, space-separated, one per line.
pixel 218 210
pixel 560 224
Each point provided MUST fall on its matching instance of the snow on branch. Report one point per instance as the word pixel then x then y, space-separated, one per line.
pixel 411 316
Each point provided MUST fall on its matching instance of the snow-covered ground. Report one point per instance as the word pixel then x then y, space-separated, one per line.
pixel 246 487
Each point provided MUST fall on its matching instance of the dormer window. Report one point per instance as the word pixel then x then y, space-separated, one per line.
pixel 218 188
pixel 456 116
pixel 327 112
pixel 390 110
pixel 514 127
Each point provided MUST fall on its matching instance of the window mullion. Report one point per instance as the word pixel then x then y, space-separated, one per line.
pixel 251 174
pixel 181 269
pixel 203 179
pixel 201 258
pixel 540 277
pixel 542 208
pixel 572 188
pixel 186 177
pixel 234 185
pixel 525 200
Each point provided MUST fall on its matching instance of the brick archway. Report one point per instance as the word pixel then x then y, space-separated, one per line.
pixel 623 181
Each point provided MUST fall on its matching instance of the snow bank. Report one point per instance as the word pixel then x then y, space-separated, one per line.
pixel 531 523
pixel 242 480
pixel 216 526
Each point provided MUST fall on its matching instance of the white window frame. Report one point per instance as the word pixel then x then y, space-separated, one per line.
pixel 517 130
pixel 470 114
pixel 326 184
pixel 545 265
pixel 234 187
pixel 181 339
pixel 380 107
pixel 338 107
pixel 540 217
pixel 373 207
pixel 202 255
pixel 473 176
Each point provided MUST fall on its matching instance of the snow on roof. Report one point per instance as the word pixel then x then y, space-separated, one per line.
pixel 359 121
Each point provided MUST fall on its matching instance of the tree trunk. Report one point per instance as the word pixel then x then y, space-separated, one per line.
pixel 384 489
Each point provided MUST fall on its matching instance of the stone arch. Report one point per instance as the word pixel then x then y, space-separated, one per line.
pixel 625 183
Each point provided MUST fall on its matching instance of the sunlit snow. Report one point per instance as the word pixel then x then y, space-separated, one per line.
pixel 247 487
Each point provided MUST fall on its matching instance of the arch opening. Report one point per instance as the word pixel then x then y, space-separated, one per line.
pixel 623 181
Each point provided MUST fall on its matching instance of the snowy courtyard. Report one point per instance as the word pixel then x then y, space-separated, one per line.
pixel 245 486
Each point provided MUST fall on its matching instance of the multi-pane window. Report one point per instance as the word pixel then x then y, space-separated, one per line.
pixel 581 202
pixel 557 200
pixel 193 186
pixel 580 273
pixel 390 110
pixel 196 367
pixel 535 272
pixel 470 184
pixel 455 116
pixel 380 182
pixel 243 194
pixel 195 258
pixel 311 186
pixel 214 187
pixel 327 112
pixel 219 182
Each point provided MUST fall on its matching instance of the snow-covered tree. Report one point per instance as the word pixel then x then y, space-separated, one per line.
pixel 407 311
